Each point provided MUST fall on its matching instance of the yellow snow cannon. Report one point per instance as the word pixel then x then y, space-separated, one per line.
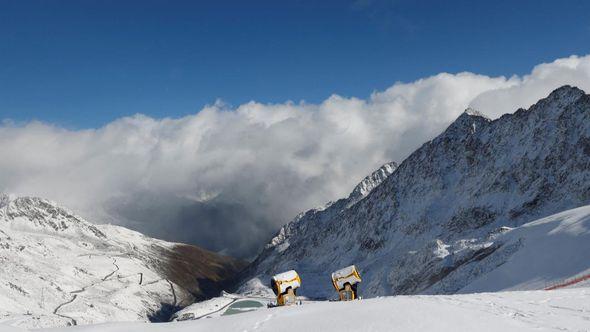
pixel 285 285
pixel 346 281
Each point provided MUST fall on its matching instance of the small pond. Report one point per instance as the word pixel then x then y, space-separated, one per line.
pixel 243 306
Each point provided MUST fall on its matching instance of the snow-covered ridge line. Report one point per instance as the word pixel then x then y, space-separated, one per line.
pixel 360 191
pixel 370 182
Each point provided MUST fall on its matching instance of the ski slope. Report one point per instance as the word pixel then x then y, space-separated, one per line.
pixel 551 251
pixel 563 310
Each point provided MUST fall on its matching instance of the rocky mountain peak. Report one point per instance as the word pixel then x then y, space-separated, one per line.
pixel 371 181
pixel 39 214
pixel 300 222
pixel 473 112
pixel 556 103
pixel 566 92
pixel 469 122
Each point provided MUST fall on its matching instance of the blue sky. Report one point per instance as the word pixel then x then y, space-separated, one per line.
pixel 82 64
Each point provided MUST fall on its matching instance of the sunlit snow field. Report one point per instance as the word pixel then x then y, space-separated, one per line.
pixel 563 310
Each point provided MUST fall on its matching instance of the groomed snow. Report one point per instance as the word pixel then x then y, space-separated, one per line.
pixel 564 310
pixel 551 250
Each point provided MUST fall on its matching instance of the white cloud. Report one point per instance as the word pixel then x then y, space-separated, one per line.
pixel 526 90
pixel 228 178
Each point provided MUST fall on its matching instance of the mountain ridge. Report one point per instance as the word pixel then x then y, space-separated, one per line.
pixel 429 221
pixel 59 269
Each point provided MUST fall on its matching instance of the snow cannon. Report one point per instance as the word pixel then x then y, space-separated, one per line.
pixel 346 281
pixel 285 285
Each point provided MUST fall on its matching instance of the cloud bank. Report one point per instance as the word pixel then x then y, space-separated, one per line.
pixel 228 178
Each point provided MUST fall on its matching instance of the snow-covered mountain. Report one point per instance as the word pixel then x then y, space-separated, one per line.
pixel 436 224
pixel 58 269
pixel 332 208
pixel 548 247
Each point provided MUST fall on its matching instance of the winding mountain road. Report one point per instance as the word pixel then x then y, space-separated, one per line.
pixel 83 289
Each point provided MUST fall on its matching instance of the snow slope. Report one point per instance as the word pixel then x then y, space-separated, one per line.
pixel 560 310
pixel 58 269
pixel 432 225
pixel 550 250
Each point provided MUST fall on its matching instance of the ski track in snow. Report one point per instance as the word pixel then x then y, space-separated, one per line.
pixel 496 304
pixel 259 324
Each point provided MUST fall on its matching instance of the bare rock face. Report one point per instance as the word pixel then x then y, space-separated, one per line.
pixel 429 226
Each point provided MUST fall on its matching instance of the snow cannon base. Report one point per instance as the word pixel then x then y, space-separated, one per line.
pixel 285 286
pixel 345 282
